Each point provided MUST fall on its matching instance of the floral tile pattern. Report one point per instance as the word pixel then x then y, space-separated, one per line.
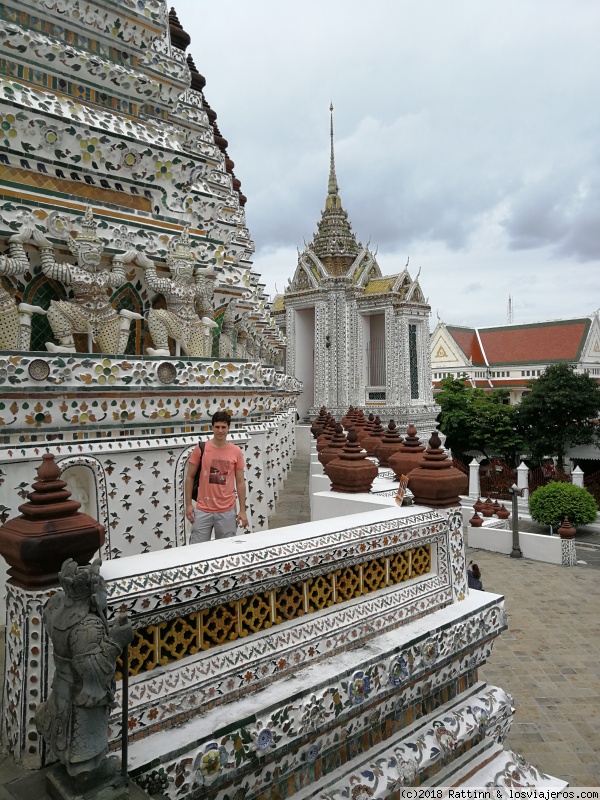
pixel 316 724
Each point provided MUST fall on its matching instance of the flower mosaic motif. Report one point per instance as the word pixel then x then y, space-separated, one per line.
pixel 399 671
pixel 517 773
pixel 210 763
pixel 314 714
pixel 482 719
pixel 408 769
pixel 431 650
pixel 359 688
pixel 313 753
pixel 263 739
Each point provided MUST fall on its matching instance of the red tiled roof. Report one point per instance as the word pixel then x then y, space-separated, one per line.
pixel 543 342
pixel 466 339
pixel 506 383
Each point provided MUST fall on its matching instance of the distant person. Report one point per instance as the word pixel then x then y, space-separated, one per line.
pixel 474 576
pixel 222 469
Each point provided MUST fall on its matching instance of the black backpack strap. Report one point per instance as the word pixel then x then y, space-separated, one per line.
pixel 201 445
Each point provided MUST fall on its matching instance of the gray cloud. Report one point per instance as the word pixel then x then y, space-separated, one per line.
pixel 466 137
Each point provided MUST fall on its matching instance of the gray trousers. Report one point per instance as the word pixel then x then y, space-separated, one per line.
pixel 224 523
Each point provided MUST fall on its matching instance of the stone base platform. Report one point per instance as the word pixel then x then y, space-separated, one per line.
pixel 407 703
pixel 462 763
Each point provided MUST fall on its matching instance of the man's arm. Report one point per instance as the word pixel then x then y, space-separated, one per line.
pixel 189 486
pixel 240 486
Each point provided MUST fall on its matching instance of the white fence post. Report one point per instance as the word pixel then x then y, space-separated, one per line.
pixel 523 480
pixel 474 479
pixel 577 477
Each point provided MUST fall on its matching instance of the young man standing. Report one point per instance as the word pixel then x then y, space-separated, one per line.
pixel 222 467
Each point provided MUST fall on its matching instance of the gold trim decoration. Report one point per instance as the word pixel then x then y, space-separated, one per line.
pixel 202 630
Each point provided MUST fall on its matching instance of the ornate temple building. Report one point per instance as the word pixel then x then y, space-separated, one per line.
pixel 355 336
pixel 511 356
pixel 334 659
pixel 129 308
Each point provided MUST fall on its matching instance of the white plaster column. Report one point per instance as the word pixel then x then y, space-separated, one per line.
pixel 391 357
pixel 402 363
pixel 577 477
pixel 290 335
pixel 426 390
pixel 474 489
pixel 357 383
pixel 523 480
pixel 322 375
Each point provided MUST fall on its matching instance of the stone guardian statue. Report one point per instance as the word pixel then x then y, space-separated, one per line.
pixel 15 320
pixel 74 719
pixel 187 287
pixel 227 325
pixel 90 311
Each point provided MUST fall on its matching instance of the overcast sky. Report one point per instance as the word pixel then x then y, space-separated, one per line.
pixel 467 136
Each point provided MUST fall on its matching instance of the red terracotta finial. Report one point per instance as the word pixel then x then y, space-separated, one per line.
pixel 48 469
pixel 360 425
pixel 409 454
pixel 351 471
pixel 371 441
pixel 390 443
pixel 347 418
pixel 49 530
pixel 566 530
pixel 319 423
pixel 325 436
pixel 435 482
pixel 334 447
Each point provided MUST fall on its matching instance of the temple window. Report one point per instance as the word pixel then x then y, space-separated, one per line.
pixel 413 362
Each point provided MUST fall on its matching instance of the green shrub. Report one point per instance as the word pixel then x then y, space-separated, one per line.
pixel 550 504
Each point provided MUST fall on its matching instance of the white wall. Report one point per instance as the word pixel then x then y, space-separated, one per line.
pixel 536 546
pixel 305 357
pixel 328 505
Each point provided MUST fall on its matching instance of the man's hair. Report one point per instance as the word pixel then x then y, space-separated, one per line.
pixel 221 416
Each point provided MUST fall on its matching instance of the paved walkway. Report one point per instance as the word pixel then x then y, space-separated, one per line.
pixel 293 505
pixel 549 659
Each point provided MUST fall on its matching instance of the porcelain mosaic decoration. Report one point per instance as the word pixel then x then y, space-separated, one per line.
pixel 129 313
pixel 369 333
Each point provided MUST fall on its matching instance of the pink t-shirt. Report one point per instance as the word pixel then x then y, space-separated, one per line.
pixel 216 487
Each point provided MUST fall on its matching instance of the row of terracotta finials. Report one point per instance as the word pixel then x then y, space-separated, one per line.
pixel 487 508
pixel 347 457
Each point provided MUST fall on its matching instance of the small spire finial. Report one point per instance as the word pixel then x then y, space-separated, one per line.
pixel 333 185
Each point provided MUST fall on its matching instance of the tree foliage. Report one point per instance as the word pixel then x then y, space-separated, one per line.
pixel 561 409
pixel 472 419
pixel 550 504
